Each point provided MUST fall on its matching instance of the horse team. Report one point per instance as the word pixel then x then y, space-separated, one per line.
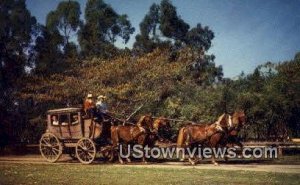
pixel 221 133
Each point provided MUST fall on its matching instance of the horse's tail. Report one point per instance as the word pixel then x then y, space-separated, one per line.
pixel 181 138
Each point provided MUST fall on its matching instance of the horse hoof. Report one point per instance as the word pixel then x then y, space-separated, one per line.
pixel 192 162
pixel 181 160
pixel 216 164
pixel 128 160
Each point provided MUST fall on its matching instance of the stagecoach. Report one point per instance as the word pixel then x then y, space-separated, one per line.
pixel 69 131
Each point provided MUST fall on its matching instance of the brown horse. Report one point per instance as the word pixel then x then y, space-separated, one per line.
pixel 158 125
pixel 230 136
pixel 131 134
pixel 237 121
pixel 200 134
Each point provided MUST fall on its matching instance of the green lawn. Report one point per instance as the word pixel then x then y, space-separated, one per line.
pixel 108 174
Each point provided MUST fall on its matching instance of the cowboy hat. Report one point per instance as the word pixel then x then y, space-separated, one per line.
pixel 101 97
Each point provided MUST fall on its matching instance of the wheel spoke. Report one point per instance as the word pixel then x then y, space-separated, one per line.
pixel 92 156
pixel 54 152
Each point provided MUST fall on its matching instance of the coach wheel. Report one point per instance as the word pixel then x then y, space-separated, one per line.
pixel 85 150
pixel 50 147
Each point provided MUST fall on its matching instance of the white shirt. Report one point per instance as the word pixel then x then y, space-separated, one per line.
pixel 101 106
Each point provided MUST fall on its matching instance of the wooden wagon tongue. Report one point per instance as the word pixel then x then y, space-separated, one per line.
pixel 134 112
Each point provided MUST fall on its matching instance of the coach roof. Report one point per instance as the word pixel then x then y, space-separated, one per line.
pixel 64 110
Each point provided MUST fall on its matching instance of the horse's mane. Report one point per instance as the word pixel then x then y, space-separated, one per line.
pixel 159 120
pixel 139 123
pixel 236 116
pixel 221 118
pixel 142 122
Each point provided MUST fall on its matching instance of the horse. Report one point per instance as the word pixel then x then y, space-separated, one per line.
pixel 200 134
pixel 129 134
pixel 232 126
pixel 161 126
pixel 238 120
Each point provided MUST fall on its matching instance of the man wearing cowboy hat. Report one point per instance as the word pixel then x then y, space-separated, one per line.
pixel 101 106
pixel 89 105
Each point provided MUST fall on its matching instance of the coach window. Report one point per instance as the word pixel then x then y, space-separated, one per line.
pixel 64 119
pixel 54 120
pixel 74 118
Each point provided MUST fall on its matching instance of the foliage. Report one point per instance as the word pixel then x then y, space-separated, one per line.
pixel 148 39
pixel 47 54
pixel 162 26
pixel 172 76
pixel 16 28
pixel 65 20
pixel 164 88
pixel 103 25
pixel 271 98
pixel 199 37
pixel 171 25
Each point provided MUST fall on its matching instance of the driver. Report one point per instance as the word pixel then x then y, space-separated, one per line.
pixel 89 105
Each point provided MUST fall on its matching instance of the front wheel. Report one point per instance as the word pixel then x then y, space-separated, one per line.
pixel 85 150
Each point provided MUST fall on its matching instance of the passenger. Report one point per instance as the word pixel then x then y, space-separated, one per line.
pixel 75 118
pixel 64 123
pixel 89 105
pixel 54 120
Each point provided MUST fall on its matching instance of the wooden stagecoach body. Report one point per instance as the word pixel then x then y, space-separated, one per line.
pixel 74 135
pixel 69 131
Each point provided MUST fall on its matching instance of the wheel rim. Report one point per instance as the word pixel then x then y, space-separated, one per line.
pixel 50 147
pixel 85 150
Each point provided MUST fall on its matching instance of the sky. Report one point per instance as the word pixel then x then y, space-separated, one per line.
pixel 247 32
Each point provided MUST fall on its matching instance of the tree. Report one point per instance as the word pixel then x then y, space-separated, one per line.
pixel 16 29
pixel 148 39
pixel 171 25
pixel 47 55
pixel 162 21
pixel 199 37
pixel 65 20
pixel 102 28
pixel 150 22
pixel 204 71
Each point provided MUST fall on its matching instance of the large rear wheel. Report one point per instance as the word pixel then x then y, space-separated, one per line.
pixel 50 147
pixel 85 150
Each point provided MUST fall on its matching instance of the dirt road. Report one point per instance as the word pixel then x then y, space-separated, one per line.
pixel 37 159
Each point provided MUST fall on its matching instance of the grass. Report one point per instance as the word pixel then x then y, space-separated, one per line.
pixel 108 174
